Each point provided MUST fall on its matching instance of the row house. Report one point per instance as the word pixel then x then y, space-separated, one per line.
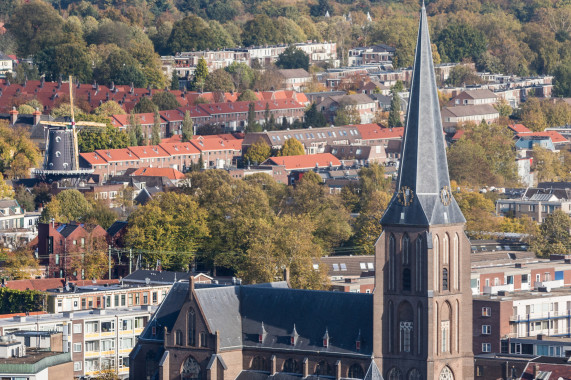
pixel 375 134
pixel 296 166
pixel 147 120
pixel 458 115
pixel 380 53
pixel 315 140
pixel 473 97
pixel 96 339
pixel 214 150
pixel 295 79
pixel 365 106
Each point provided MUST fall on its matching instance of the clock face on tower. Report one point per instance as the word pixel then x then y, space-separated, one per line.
pixel 405 196
pixel 445 196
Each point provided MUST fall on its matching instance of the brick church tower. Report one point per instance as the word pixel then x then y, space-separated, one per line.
pixel 422 300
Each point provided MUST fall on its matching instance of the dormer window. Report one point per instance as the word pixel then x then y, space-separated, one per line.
pixel 293 337
pixel 326 339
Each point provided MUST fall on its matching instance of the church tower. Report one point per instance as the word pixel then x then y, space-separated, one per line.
pixel 422 300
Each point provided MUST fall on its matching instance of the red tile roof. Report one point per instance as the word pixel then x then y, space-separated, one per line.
pixel 558 370
pixel 519 128
pixel 93 158
pixel 213 144
pixel 172 139
pixel 458 135
pixel 149 151
pixel 124 120
pixel 94 282
pixel 179 148
pixel 3 316
pixel 375 131
pixel 41 284
pixel 172 115
pixel 556 137
pixel 170 173
pixel 114 155
pixel 308 161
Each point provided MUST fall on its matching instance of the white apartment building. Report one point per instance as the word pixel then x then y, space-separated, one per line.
pixel 97 339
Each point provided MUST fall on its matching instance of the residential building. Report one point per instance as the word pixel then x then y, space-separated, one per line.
pixel 363 104
pixel 473 97
pixel 60 246
pixel 380 53
pixel 98 339
pixel 300 164
pixel 536 203
pixel 277 172
pixel 521 314
pixel 6 65
pixel 525 367
pixel 458 115
pixel 416 325
pixel 295 79
pixel 19 360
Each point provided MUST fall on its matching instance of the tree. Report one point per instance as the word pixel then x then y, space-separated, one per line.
pixel 547 165
pixel 503 108
pixel 292 147
pixel 200 75
pixel 394 114
pixel 35 26
pixel 293 58
pixel 100 214
pixel 67 206
pixel 258 152
pixel 367 225
pixel 170 228
pixel 248 96
pixel 252 124
pixel 145 105
pixel 242 75
pixel 21 264
pixel 165 100
pixel 462 75
pixel 90 261
pixel 18 154
pixel 6 191
pixel 314 118
pixel 347 115
pixel 562 80
pixel 219 80
pixel 479 213
pixel 65 60
pixel 156 130
pixel 175 84
pixel 108 137
pixel 459 41
pixel 553 237
pixel 321 9
pixel 187 127
pixel 134 125
pixel 25 198
pixel 109 108
pixel 261 30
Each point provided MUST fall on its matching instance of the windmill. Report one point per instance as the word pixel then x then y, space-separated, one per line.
pixel 61 160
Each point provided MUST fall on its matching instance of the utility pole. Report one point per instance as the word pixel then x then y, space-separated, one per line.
pixel 130 260
pixel 109 251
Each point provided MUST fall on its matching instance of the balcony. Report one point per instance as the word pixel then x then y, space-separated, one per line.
pixel 540 316
pixel 496 288
pixel 550 284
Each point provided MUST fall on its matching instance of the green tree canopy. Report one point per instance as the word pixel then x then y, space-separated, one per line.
pixel 145 105
pixel 258 152
pixel 187 127
pixel 292 147
pixel 170 228
pixel 553 237
pixel 165 100
pixel 394 113
pixel 314 118
pixel 219 80
pixel 248 96
pixel 67 206
pixel 293 58
pixel 459 41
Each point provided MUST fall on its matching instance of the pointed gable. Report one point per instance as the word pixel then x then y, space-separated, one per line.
pixel 422 194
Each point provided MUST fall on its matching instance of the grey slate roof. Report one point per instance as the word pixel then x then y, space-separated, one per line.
pixel 156 277
pixel 424 168
pixel 373 373
pixel 237 312
pixel 117 226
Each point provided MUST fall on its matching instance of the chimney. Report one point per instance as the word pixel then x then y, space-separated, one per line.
pixel 13 115
pixel 42 81
pixel 190 287
pixel 59 83
pixel 37 116
pixel 535 371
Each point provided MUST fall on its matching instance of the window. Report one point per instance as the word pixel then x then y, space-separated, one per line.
pixel 486 347
pixel 155 300
pixel 444 279
pixel 91 327
pixel 405 336
pixel 77 347
pixel 77 328
pixel 336 267
pixel 123 362
pixel 203 341
pixel 116 300
pixel 139 322
pixel 123 299
pixel 57 259
pixel 92 346
pixel 178 338
pixel 145 298
pixel 108 326
pixel 445 330
pixel 486 329
pixel 486 312
pixel 510 280
pixel 137 299
pixel 107 344
pixel 479 370
pixel 343 266
pixel 406 279
pixel 191 328
pixel 127 343
pixel 91 365
pixel 77 366
pixel 127 325
pixel 524 278
pixel 405 250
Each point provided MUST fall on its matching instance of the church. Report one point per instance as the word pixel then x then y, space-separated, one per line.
pixel 417 324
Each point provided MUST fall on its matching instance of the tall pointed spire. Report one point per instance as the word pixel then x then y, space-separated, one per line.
pixel 423 194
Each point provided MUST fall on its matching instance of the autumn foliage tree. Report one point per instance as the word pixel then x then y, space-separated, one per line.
pixel 553 237
pixel 258 152
pixel 292 147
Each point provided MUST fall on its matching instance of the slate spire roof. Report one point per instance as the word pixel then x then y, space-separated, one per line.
pixel 422 194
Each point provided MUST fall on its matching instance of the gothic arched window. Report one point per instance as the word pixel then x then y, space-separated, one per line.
pixel 405 250
pixel 436 250
pixel 456 258
pixel 444 279
pixel 392 267
pixel 356 372
pixel 323 369
pixel 259 364
pixel 291 366
pixel 414 374
pixel 406 279
pixel 395 374
pixel 418 269
pixel 191 327
pixel 178 338
pixel 446 374
pixel 190 369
